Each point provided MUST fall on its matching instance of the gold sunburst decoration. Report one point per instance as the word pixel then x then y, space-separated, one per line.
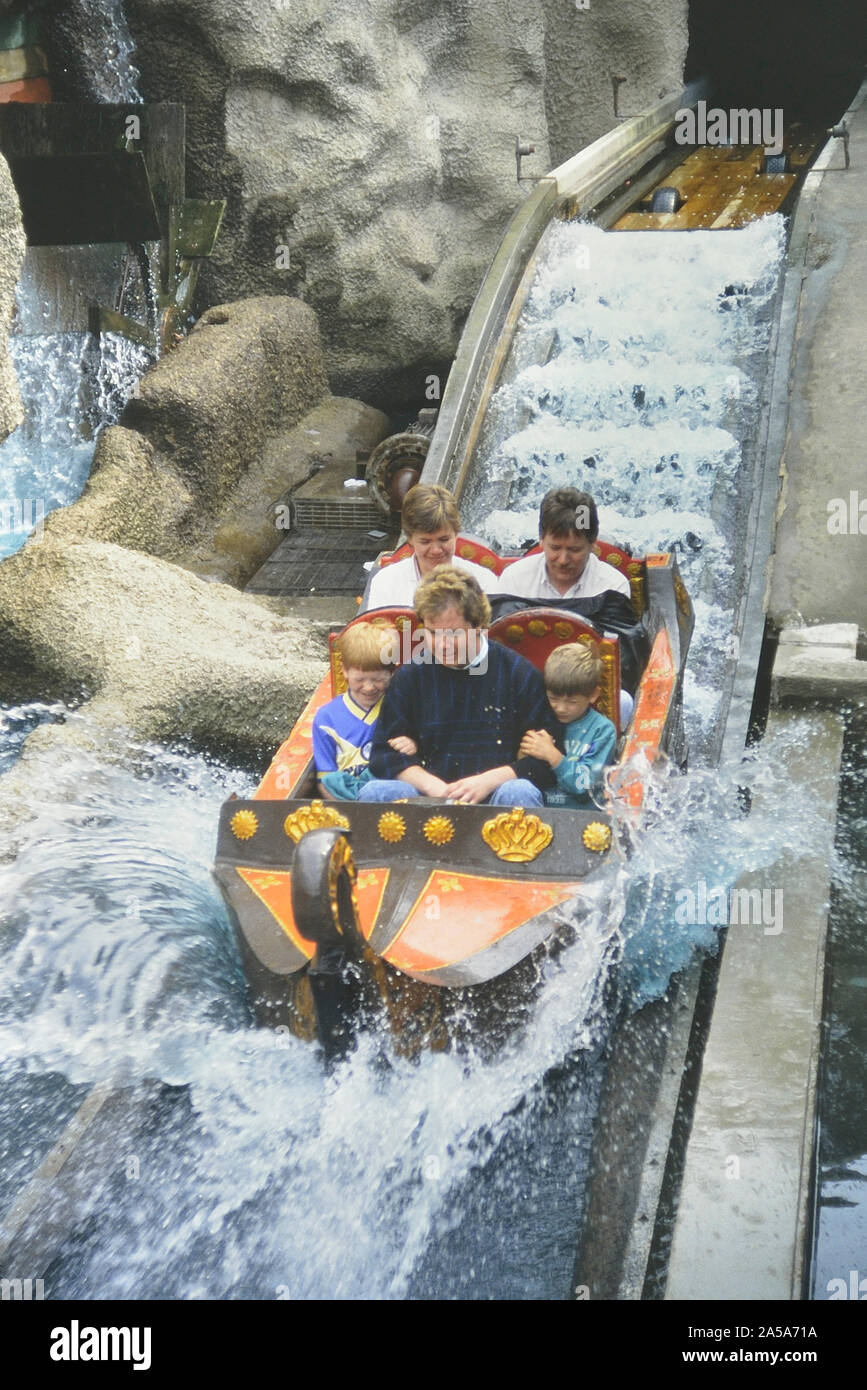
pixel 312 817
pixel 537 627
pixel 438 830
pixel 597 836
pixel 391 827
pixel 244 825
pixel 516 836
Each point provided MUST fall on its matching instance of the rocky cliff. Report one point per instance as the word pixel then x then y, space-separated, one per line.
pixel 366 147
pixel 11 257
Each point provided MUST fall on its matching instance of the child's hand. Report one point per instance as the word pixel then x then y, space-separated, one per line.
pixel 403 744
pixel 538 743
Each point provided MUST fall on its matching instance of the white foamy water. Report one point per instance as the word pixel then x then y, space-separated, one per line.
pixel 636 375
pixel 118 963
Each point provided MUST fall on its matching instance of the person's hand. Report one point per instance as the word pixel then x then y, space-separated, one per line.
pixel 403 744
pixel 425 783
pixel 538 743
pixel 472 790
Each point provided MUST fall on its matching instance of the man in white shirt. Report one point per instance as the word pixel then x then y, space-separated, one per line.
pixel 566 566
pixel 431 522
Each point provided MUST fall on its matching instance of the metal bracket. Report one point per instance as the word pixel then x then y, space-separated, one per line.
pixel 841 132
pixel 616 81
pixel 522 148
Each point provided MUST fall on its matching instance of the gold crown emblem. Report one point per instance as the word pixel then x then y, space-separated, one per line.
pixel 516 836
pixel 312 817
pixel 391 827
pixel 244 825
pixel 597 836
pixel 438 830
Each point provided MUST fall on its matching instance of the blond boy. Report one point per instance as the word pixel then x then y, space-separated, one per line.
pixel 343 729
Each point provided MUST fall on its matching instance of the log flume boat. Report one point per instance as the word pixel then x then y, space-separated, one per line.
pixel 438 914
pixel 431 915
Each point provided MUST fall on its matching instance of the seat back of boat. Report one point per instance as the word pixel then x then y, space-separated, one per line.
pixel 403 619
pixel 633 566
pixel 535 632
pixel 466 546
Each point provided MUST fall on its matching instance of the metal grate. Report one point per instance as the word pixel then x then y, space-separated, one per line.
pixel 337 513
pixel 328 563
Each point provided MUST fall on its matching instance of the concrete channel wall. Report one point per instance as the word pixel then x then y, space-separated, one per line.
pixel 744 1216
pixel 743 1224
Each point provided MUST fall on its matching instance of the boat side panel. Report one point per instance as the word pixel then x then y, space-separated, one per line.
pixel 464 929
pixel 651 715
pixel 293 759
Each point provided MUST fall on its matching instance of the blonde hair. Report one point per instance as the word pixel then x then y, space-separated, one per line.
pixel 427 508
pixel 448 587
pixel 368 646
pixel 574 669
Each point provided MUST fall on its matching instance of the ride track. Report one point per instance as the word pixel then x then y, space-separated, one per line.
pixel 626 1191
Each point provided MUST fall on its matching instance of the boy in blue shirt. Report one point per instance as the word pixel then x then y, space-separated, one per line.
pixel 343 729
pixel 572 678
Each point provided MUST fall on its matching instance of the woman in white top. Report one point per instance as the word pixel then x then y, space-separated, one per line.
pixel 431 522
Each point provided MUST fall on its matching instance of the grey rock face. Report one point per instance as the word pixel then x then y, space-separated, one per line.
pixel 12 245
pixel 246 371
pixel 214 437
pixel 374 143
pixel 366 147
pixel 102 605
pixel 154 648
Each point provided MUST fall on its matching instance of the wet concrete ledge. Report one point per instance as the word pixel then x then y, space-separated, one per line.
pixel 743 1221
pixel 820 540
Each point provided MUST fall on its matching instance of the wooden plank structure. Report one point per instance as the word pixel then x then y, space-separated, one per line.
pixel 723 186
pixel 121 152
pixel 87 173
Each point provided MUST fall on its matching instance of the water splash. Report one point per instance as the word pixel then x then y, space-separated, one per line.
pixel 107 57
pixel 118 963
pixel 256 1174
pixel 72 385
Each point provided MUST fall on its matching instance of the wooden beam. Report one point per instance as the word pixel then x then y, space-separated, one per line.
pixel 74 199
pixel 101 320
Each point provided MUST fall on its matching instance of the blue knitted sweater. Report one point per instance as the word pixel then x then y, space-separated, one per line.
pixel 463 721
